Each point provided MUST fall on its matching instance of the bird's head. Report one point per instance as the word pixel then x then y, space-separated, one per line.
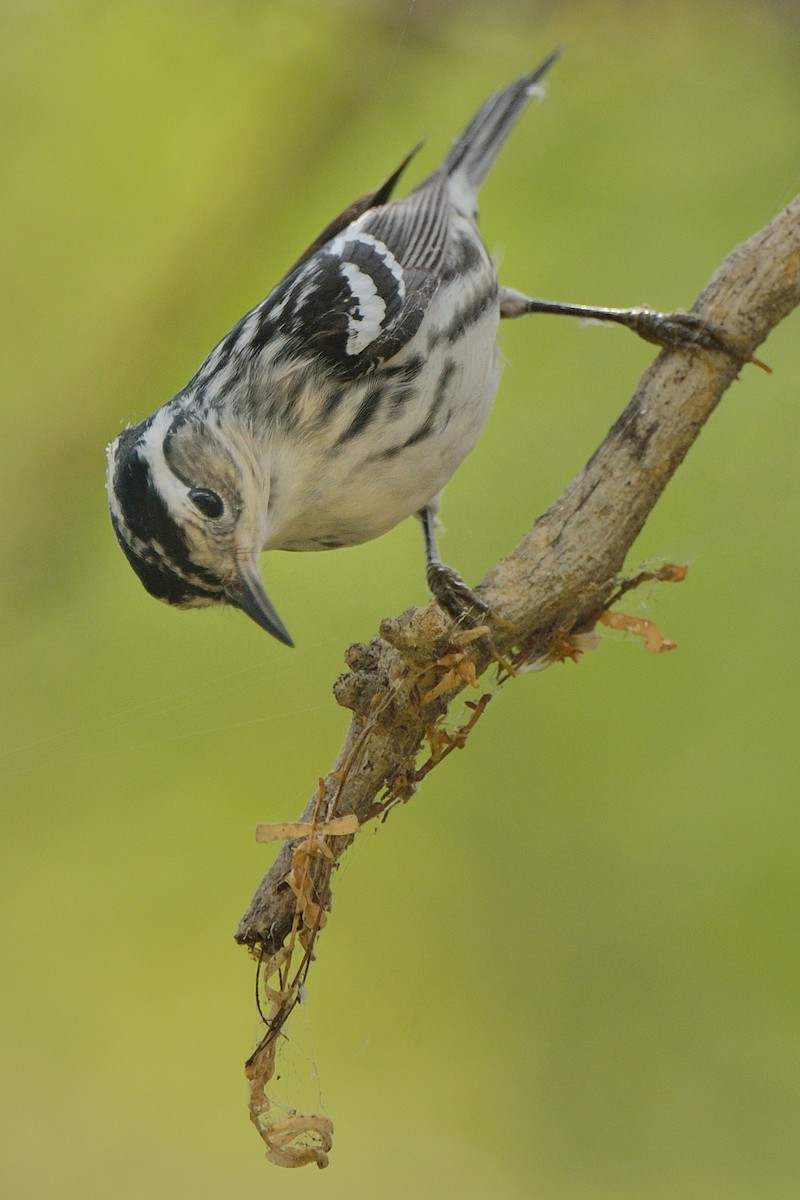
pixel 185 500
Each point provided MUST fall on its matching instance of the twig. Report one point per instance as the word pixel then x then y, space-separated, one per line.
pixel 559 578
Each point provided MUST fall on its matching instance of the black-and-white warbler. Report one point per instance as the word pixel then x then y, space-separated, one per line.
pixel 342 403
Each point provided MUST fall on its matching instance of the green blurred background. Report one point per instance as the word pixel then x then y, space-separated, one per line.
pixel 569 968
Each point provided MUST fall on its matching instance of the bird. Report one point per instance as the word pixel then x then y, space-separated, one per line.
pixel 344 402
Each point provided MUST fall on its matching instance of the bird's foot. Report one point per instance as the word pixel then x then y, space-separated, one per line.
pixel 687 331
pixel 672 331
pixel 451 593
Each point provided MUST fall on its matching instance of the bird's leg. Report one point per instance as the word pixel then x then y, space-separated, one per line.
pixel 446 585
pixel 672 331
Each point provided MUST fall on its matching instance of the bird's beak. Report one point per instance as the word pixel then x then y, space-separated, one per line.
pixel 247 593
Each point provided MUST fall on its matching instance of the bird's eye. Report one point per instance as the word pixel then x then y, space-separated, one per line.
pixel 208 502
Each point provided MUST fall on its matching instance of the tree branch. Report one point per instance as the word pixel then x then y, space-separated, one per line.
pixel 555 583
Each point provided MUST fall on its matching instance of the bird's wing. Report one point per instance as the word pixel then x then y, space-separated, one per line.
pixel 358 299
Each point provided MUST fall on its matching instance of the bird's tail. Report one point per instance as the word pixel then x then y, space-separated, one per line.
pixel 471 158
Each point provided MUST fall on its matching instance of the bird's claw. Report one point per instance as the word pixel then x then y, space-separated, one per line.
pixel 451 593
pixel 687 331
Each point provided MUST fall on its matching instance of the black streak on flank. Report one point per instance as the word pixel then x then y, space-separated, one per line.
pixel 365 413
pixel 328 407
pixel 442 384
pixel 402 376
pixel 470 314
pixel 463 259
pixel 427 426
pixel 425 430
pixel 406 371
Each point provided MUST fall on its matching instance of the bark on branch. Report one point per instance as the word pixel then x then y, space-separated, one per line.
pixel 558 579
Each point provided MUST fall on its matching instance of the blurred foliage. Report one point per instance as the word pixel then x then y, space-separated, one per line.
pixel 569 967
